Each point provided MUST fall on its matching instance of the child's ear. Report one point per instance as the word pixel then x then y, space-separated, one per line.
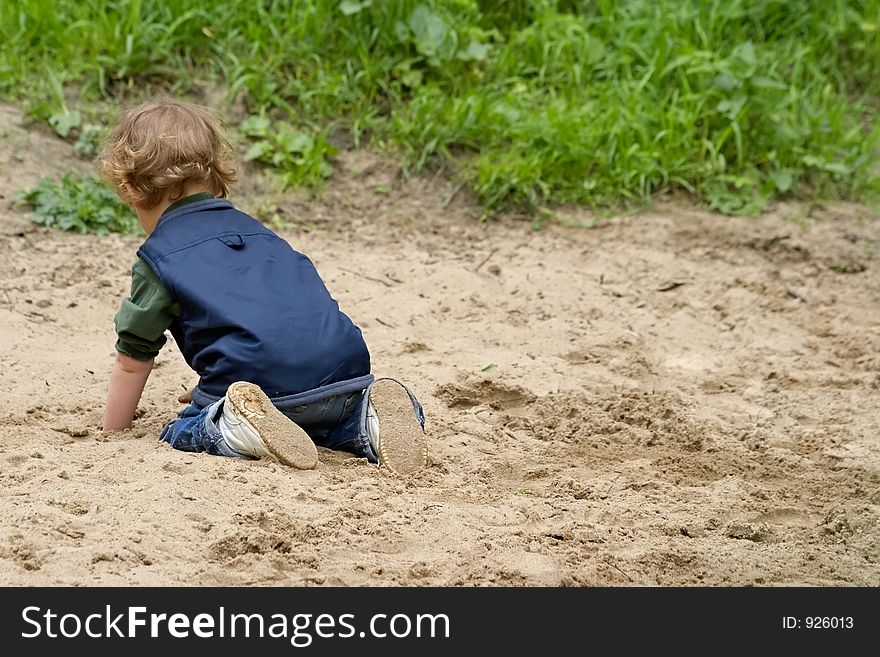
pixel 125 190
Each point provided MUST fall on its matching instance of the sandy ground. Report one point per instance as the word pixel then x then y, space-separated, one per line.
pixel 669 398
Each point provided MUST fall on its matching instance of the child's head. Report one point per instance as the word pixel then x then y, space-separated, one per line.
pixel 163 147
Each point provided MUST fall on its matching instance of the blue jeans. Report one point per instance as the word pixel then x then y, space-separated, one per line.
pixel 335 422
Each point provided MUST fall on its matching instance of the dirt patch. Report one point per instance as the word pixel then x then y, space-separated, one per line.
pixel 673 398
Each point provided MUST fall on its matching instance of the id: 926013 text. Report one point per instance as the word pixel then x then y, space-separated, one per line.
pixel 818 622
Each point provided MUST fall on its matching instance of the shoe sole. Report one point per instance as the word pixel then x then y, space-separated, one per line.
pixel 403 447
pixel 286 441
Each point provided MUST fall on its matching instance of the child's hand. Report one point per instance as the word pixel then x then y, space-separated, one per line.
pixel 186 397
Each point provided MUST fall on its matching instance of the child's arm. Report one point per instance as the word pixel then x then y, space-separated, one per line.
pixel 127 380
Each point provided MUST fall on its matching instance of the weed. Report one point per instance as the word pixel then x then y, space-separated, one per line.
pixel 82 205
pixel 64 122
pixel 89 140
pixel 301 155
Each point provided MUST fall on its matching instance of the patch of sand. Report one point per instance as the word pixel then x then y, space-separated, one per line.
pixel 674 398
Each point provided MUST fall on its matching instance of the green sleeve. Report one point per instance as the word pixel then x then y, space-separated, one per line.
pixel 145 315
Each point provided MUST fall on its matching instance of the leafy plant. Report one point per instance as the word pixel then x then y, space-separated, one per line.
pixel 89 140
pixel 64 122
pixel 80 204
pixel 301 156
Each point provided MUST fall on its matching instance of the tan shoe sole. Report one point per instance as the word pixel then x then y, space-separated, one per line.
pixel 403 447
pixel 286 441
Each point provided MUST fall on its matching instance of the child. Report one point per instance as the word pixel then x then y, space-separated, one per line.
pixel 281 368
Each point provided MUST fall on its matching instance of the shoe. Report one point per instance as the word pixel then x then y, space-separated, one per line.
pixel 252 426
pixel 394 428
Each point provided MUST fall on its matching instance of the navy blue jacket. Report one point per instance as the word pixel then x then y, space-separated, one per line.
pixel 252 308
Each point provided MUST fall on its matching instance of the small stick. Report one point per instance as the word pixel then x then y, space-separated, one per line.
pixel 485 260
pixel 620 571
pixel 452 195
pixel 611 485
pixel 795 295
pixel 369 278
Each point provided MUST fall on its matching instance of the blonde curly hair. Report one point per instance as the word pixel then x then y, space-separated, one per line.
pixel 160 147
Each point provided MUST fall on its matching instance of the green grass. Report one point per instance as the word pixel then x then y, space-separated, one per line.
pixel 532 102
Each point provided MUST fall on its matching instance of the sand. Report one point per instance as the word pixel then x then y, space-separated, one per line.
pixel 667 398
